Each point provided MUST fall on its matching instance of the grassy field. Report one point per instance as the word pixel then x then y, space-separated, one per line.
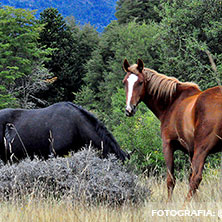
pixel 204 207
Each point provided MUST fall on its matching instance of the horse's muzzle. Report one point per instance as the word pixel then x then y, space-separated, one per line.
pixel 130 110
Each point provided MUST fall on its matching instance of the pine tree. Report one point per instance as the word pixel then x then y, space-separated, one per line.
pixel 188 30
pixel 68 59
pixel 19 50
pixel 139 10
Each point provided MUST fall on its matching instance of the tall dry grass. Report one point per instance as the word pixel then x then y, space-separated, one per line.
pixel 209 199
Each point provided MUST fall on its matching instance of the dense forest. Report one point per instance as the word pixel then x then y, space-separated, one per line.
pixel 96 12
pixel 52 58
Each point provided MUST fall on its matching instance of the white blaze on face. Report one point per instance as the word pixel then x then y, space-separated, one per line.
pixel 131 81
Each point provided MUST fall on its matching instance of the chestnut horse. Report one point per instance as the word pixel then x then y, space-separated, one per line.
pixel 191 119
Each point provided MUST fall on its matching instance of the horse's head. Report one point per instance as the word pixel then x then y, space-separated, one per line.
pixel 134 85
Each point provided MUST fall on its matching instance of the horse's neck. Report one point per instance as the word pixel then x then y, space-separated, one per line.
pixel 159 106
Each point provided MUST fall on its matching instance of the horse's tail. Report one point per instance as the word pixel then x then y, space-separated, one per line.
pixel 5 117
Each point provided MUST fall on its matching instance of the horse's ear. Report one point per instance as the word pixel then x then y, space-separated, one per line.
pixel 126 65
pixel 140 65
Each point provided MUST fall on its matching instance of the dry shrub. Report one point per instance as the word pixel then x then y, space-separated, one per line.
pixel 81 176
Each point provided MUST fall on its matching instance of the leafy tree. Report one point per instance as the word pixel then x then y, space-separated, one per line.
pixel 56 35
pixel 91 95
pixel 72 47
pixel 138 10
pixel 38 80
pixel 188 30
pixel 19 50
pixel 140 135
pixel 88 39
pixel 104 70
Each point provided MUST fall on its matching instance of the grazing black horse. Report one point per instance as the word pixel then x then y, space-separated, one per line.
pixel 56 130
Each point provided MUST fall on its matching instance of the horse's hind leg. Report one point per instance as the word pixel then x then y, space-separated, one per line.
pixel 200 154
pixel 168 155
pixel 196 176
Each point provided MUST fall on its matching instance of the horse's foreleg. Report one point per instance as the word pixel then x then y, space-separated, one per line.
pixel 168 155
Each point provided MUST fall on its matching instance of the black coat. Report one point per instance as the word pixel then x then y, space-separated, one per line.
pixel 57 129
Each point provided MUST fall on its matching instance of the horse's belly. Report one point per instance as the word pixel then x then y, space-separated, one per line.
pixel 185 127
pixel 187 137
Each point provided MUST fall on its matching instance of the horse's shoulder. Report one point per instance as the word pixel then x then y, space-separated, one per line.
pixel 69 109
pixel 64 105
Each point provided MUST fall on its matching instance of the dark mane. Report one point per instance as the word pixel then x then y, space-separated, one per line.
pixel 101 130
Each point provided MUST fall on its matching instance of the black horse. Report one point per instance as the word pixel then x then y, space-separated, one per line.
pixel 54 130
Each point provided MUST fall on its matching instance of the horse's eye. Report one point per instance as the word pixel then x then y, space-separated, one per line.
pixel 141 83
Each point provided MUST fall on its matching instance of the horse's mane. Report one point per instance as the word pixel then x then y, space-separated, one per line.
pixel 161 85
pixel 101 130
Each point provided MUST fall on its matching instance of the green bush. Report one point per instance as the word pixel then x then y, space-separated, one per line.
pixel 139 134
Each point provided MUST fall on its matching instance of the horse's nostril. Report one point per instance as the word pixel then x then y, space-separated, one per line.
pixel 130 110
pixel 127 112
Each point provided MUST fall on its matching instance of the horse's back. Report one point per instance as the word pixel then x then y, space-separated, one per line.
pixel 36 128
pixel 208 109
pixel 211 96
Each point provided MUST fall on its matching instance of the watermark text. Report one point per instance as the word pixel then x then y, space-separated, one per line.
pixel 186 213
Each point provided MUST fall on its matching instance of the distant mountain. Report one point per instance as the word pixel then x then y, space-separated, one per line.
pixel 96 12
